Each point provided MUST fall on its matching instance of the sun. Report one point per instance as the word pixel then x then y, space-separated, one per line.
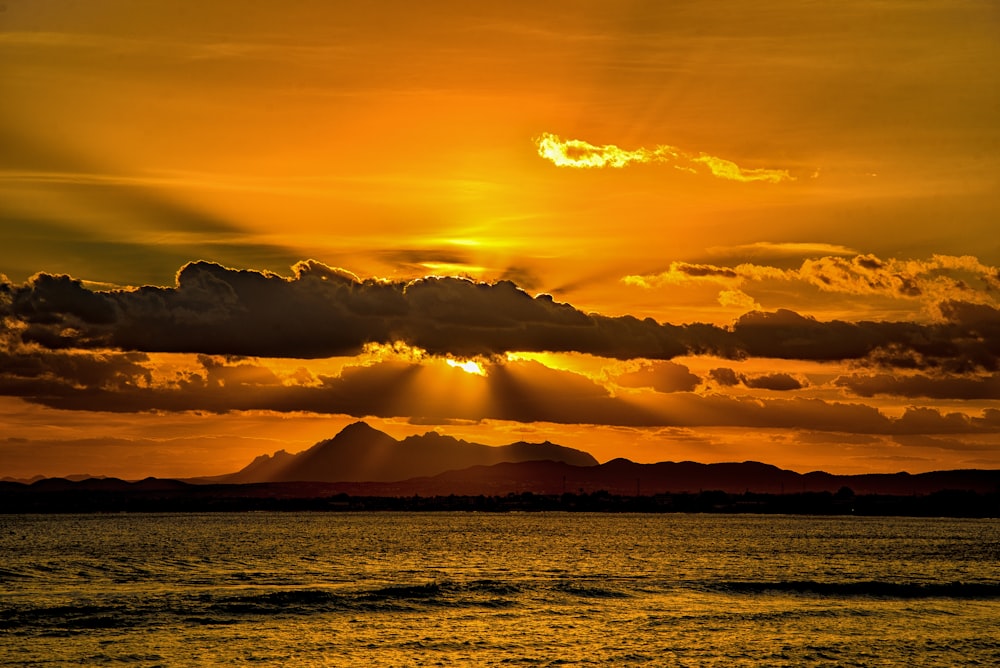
pixel 468 366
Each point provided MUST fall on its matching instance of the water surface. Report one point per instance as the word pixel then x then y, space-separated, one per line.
pixel 403 589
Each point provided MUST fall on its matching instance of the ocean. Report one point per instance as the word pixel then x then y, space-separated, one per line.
pixel 513 589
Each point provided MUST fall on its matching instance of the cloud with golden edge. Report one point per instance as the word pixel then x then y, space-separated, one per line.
pixel 322 312
pixel 521 391
pixel 584 155
pixel 941 279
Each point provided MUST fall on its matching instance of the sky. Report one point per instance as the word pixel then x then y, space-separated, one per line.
pixel 695 230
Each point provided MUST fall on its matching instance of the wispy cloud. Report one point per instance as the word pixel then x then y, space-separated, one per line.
pixel 584 155
pixel 783 249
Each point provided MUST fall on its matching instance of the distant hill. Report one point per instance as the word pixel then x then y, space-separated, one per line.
pixel 624 477
pixel 365 469
pixel 36 478
pixel 360 453
pixel 364 462
pixel 616 486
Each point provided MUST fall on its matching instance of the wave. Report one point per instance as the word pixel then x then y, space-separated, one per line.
pixel 408 591
pixel 272 602
pixel 226 606
pixel 868 588
pixel 70 617
pixel 588 591
pixel 8 575
pixel 493 587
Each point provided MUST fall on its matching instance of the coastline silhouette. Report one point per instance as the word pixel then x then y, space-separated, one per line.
pixel 364 469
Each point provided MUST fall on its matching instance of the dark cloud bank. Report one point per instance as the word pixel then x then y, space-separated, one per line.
pixel 68 347
pixel 322 312
pixel 521 391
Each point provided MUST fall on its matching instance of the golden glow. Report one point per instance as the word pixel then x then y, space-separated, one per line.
pixel 374 353
pixel 581 154
pixel 588 365
pixel 452 269
pixel 468 366
pixel 404 139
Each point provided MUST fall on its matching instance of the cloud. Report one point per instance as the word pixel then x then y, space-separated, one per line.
pixel 923 385
pixel 580 154
pixel 939 278
pixel 774 381
pixel 219 374
pixel 739 300
pixel 522 276
pixel 779 382
pixel 924 420
pixel 661 376
pixel 785 334
pixel 963 444
pixel 55 297
pixel 864 275
pixel 322 312
pixel 683 272
pixel 36 372
pixel 978 315
pixel 942 287
pixel 783 249
pixel 725 377
pixel 430 391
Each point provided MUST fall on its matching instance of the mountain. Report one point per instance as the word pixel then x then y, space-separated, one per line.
pixel 360 453
pixel 364 460
pixel 624 477
pixel 616 486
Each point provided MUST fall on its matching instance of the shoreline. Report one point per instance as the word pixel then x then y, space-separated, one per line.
pixel 278 498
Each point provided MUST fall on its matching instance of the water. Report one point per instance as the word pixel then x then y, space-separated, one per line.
pixel 412 589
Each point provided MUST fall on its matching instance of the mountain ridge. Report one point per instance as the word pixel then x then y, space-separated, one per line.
pixel 627 478
pixel 361 460
pixel 545 477
pixel 361 453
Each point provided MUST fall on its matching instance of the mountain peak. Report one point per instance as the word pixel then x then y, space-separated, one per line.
pixel 430 438
pixel 359 427
pixel 358 433
pixel 361 453
pixel 355 435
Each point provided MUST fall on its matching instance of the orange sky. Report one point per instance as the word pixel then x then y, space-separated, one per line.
pixel 831 171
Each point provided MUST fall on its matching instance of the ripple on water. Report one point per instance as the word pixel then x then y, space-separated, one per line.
pixel 533 589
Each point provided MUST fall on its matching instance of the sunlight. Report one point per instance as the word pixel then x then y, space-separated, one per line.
pixel 469 366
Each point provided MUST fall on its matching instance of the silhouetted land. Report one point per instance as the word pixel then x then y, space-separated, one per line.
pixel 153 495
pixel 360 453
pixel 364 469
pixel 364 461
